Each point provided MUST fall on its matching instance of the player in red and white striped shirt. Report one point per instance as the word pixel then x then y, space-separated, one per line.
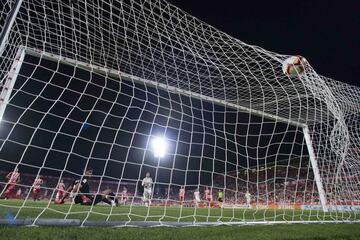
pixel 208 196
pixel 182 195
pixel 124 196
pixel 36 187
pixel 60 190
pixel 13 178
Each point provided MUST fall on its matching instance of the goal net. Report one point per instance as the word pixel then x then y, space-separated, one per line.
pixel 130 88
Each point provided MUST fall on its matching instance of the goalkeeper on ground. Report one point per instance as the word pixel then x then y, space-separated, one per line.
pixel 147 184
pixel 79 190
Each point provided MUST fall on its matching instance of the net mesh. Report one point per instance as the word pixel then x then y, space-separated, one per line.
pixel 97 81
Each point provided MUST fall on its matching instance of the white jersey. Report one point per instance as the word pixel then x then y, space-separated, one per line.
pixel 197 195
pixel 147 182
pixel 18 192
pixel 248 198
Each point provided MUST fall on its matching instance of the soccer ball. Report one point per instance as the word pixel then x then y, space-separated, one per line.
pixel 294 65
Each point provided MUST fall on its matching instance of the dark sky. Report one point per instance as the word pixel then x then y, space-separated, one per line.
pixel 327 33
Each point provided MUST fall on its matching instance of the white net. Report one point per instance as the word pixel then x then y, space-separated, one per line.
pixel 107 85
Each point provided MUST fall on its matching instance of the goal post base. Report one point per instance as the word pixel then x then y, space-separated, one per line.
pixel 40 222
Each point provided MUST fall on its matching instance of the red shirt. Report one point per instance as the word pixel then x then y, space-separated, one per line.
pixel 61 187
pixel 13 177
pixel 38 182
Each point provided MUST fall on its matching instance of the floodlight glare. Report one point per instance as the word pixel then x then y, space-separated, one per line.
pixel 159 147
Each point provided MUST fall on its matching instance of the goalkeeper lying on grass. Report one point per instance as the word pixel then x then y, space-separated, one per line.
pixel 79 190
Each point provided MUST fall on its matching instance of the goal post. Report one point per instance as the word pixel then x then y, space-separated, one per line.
pixel 315 169
pixel 10 80
pixel 8 24
pixel 128 77
pixel 90 84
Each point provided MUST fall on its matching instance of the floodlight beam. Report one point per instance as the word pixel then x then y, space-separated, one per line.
pixel 159 146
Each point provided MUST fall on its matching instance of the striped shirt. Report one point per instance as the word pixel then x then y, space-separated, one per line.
pixel 13 177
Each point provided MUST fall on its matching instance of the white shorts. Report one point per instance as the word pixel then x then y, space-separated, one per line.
pixel 147 194
pixel 197 199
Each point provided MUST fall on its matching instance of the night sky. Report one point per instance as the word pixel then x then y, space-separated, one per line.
pixel 327 33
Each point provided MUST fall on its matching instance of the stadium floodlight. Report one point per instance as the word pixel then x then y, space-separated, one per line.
pixel 159 146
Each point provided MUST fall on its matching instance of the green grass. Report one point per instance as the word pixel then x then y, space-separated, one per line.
pixel 29 209
pixel 278 232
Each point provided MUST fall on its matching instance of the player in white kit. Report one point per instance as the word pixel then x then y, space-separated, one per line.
pixel 147 184
pixel 248 199
pixel 197 197
pixel 18 193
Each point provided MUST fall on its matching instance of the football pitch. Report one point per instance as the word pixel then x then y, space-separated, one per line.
pixel 136 213
pixel 30 209
pixel 270 232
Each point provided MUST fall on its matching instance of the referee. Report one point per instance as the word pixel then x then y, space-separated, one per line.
pixel 220 198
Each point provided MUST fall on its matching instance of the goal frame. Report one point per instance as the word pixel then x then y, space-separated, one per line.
pixel 16 65
pixel 23 51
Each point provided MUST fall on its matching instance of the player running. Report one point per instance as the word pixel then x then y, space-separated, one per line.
pixel 197 197
pixel 12 178
pixel 182 195
pixel 248 199
pixel 60 190
pixel 37 187
pixel 147 184
pixel 80 191
pixel 124 196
